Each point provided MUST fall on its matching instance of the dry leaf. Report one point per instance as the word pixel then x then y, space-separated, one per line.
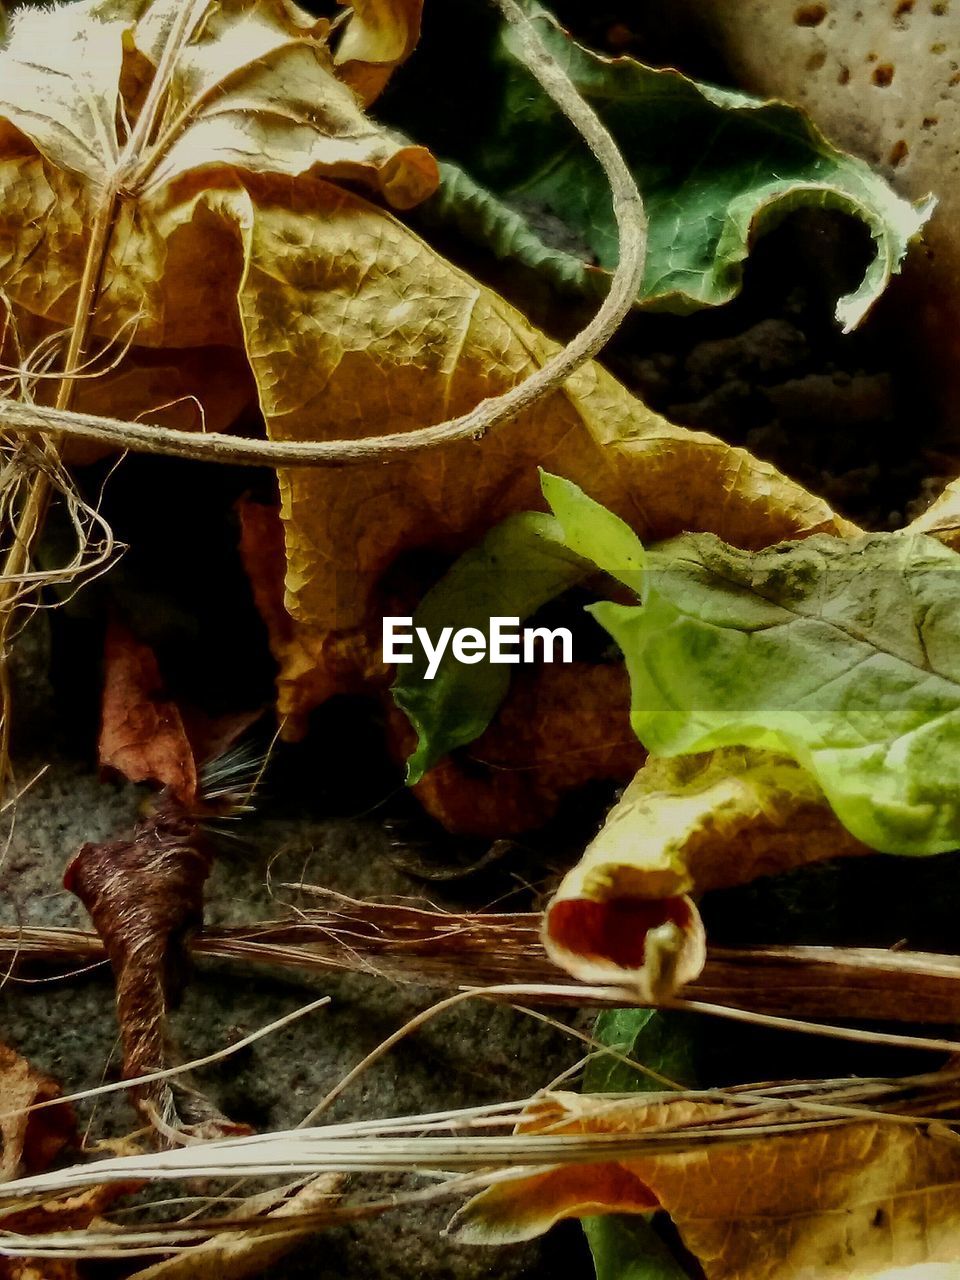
pixel 559 728
pixel 379 35
pixel 351 324
pixel 390 334
pixel 683 826
pixel 835 1203
pixel 250 103
pixel 142 734
pixel 31 1140
pixel 237 1254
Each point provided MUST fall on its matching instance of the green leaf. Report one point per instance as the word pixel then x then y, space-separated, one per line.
pixel 660 1041
pixel 594 533
pixel 716 169
pixel 519 566
pixel 844 653
pixel 624 1246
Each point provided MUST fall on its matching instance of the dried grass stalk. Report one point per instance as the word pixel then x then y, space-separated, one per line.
pixel 444 949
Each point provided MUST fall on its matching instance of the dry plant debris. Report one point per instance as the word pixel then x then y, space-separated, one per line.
pixel 217 228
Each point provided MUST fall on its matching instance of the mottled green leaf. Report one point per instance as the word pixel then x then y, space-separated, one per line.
pixel 844 653
pixel 716 169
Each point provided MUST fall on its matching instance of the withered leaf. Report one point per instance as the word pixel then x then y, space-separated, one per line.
pixel 31 1140
pixel 226 228
pixel 142 734
pixel 379 35
pixel 386 333
pixel 833 1203
pixel 684 825
pixel 239 94
pixel 559 728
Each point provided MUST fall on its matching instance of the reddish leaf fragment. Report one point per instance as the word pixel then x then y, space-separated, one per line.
pixel 31 1139
pixel 560 727
pixel 142 734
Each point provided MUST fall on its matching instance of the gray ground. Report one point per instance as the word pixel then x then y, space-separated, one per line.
pixel 475 1054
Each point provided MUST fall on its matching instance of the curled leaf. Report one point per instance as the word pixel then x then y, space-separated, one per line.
pixel 379 35
pixel 144 894
pixel 717 168
pixel 683 826
pixel 142 734
pixel 841 1203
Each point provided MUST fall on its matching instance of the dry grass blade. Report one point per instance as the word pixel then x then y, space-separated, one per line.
pixel 467 1146
pixel 433 948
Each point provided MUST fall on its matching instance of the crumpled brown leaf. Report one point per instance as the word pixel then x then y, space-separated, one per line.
pixel 252 107
pixel 559 728
pixel 32 1140
pixel 142 734
pixel 683 826
pixel 840 1203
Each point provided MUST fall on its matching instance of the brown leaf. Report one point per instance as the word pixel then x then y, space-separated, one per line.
pixel 342 372
pixel 683 826
pixel 142 734
pixel 558 728
pixel 379 35
pixel 31 1140
pixel 144 896
pixel 834 1203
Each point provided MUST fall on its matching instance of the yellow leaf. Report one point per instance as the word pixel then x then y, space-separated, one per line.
pixel 226 228
pixel 252 94
pixel 379 35
pixel 384 334
pixel 682 826
pixel 833 1203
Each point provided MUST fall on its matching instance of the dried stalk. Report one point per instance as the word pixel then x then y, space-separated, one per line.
pixel 407 944
pixel 469 1145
